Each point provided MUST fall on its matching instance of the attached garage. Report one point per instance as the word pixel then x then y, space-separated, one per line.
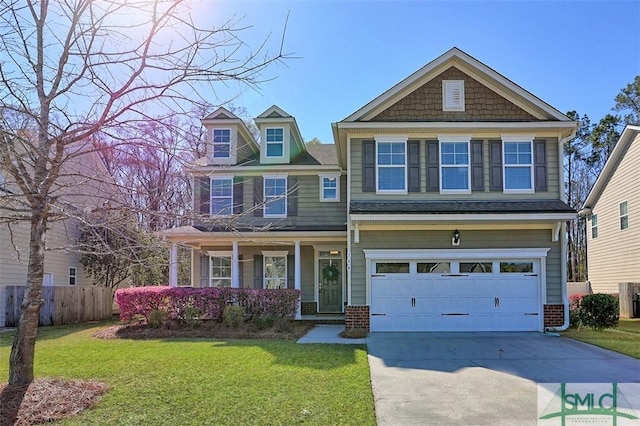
pixel 456 290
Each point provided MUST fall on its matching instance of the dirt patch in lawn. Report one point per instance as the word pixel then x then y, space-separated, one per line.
pixel 289 331
pixel 47 400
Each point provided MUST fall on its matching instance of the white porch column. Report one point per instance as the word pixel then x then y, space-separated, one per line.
pixel 235 267
pixel 296 275
pixel 173 265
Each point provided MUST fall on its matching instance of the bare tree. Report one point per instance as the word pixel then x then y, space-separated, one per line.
pixel 72 69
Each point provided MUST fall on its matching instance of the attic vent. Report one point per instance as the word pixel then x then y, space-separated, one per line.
pixel 453 95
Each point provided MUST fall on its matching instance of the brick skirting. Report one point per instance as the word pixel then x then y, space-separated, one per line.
pixel 308 308
pixel 356 317
pixel 553 315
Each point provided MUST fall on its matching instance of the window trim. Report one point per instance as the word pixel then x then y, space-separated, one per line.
pixel 621 216
pixel 267 143
pixel 594 227
pixel 518 139
pixel 324 176
pixel 382 139
pixel 220 254
pixel 286 195
pixel 454 139
pixel 448 85
pixel 73 276
pixel 211 196
pixel 280 253
pixel 213 143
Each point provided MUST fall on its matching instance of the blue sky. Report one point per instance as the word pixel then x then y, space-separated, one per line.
pixel 573 55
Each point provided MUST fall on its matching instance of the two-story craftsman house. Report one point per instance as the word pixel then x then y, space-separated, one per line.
pixel 439 208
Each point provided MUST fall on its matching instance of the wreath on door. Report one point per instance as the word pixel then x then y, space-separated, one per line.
pixel 330 273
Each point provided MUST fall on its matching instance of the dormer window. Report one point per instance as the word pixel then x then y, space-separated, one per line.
pixel 275 142
pixel 221 143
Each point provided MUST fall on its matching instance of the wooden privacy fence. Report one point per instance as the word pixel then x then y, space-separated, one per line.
pixel 63 305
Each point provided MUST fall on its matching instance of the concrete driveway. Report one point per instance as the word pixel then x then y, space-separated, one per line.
pixel 480 378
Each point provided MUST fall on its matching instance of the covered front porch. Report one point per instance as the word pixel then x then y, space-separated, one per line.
pixel 313 262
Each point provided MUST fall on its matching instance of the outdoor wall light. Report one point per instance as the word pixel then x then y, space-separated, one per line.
pixel 455 240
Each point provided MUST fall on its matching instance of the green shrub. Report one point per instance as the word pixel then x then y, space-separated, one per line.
pixel 599 311
pixel 157 317
pixel 264 322
pixel 282 325
pixel 233 316
pixel 192 316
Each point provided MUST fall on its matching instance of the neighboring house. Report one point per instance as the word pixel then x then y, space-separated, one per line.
pixel 612 210
pixel 443 211
pixel 82 184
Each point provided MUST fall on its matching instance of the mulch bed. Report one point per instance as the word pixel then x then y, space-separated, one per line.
pixel 50 399
pixel 47 400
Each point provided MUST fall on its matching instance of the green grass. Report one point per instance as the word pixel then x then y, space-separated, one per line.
pixel 207 381
pixel 624 339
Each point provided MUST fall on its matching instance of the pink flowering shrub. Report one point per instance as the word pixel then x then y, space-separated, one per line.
pixel 185 303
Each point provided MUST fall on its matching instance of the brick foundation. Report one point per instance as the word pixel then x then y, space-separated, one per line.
pixel 308 308
pixel 553 315
pixel 357 317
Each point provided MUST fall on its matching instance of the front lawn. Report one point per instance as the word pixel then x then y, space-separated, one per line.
pixel 207 381
pixel 624 339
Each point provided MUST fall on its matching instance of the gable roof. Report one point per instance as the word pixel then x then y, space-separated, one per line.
pixel 220 113
pixel 629 135
pixel 471 66
pixel 274 111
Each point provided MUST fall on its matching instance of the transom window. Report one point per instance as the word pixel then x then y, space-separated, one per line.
pixel 391 163
pixel 275 269
pixel 476 267
pixel 275 142
pixel 516 267
pixel 624 215
pixel 221 143
pixel 220 275
pixel 275 197
pixel 330 188
pixel 454 166
pixel 594 226
pixel 434 267
pixel 72 275
pixel 518 166
pixel 221 196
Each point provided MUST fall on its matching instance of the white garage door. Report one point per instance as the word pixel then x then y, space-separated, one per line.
pixel 497 295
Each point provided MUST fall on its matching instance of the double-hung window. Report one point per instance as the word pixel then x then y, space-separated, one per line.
pixel 220 270
pixel 594 226
pixel 275 196
pixel 221 143
pixel 73 275
pixel 274 142
pixel 518 164
pixel 624 215
pixel 391 165
pixel 454 164
pixel 330 187
pixel 222 196
pixel 275 269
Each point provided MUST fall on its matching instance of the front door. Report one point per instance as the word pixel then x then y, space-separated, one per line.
pixel 330 285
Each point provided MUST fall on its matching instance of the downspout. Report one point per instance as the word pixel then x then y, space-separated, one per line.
pixel 563 241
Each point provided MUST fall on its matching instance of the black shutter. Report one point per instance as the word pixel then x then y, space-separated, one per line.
pixel 292 196
pixel 291 271
pixel 203 195
pixel 414 166
pixel 258 197
pixel 495 165
pixel 540 165
pixel 204 270
pixel 368 166
pixel 257 271
pixel 238 200
pixel 433 163
pixel 477 171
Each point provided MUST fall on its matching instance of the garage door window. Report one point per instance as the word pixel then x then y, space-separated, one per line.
pixel 516 267
pixel 434 267
pixel 476 267
pixel 392 268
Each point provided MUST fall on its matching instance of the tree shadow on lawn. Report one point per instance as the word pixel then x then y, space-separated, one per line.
pixel 50 332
